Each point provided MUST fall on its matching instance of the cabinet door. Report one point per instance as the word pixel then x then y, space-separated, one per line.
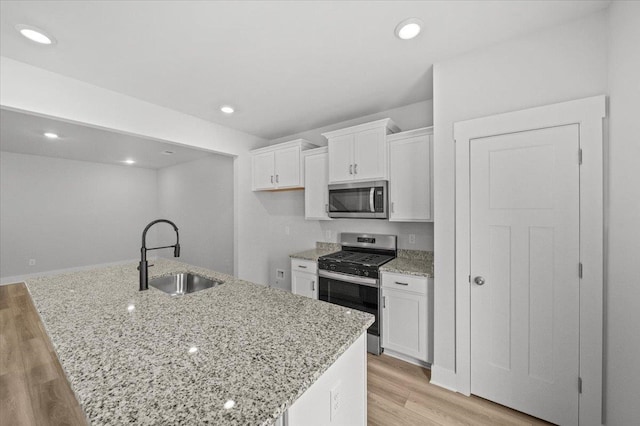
pixel 370 158
pixel 262 168
pixel 341 159
pixel 410 179
pixel 404 323
pixel 287 172
pixel 316 193
pixel 304 284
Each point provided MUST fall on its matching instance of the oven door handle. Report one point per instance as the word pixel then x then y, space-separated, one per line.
pixel 355 279
pixel 372 204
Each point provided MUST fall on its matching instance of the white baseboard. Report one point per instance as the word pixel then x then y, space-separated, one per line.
pixel 22 278
pixel 443 377
pixel 407 358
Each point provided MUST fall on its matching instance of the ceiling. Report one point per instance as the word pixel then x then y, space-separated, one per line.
pixel 286 66
pixel 23 134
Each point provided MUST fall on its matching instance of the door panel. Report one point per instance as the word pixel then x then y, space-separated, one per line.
pixel 525 243
pixel 409 179
pixel 341 159
pixel 288 167
pixel 316 192
pixel 370 155
pixel 263 171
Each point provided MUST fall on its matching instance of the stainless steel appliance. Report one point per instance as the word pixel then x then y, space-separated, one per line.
pixel 363 200
pixel 350 277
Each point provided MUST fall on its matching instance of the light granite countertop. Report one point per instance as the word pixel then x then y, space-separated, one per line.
pixel 411 262
pixel 127 353
pixel 322 249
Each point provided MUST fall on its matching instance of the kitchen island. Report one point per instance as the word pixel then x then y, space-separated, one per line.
pixel 236 354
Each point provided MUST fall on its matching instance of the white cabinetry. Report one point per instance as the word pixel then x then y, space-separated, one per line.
pixel 410 176
pixel 316 180
pixel 304 278
pixel 279 166
pixel 359 153
pixel 406 318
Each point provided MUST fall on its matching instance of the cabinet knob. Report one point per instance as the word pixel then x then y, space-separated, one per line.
pixel 277 178
pixel 355 169
pixel 271 178
pixel 350 169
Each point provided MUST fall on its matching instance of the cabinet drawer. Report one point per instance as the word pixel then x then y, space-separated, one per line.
pixel 304 266
pixel 404 282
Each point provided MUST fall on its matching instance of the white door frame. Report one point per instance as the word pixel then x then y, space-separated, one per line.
pixel 588 113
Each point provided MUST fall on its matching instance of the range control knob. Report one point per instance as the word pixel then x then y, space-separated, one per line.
pixel 366 273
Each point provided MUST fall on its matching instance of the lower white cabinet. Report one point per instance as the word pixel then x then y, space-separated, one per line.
pixel 304 278
pixel 406 317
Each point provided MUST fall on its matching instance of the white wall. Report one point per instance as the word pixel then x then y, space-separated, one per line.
pixel 558 64
pixel 622 350
pixel 198 197
pixel 66 214
pixel 275 211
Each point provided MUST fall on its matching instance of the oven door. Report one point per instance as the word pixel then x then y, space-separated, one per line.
pixel 365 200
pixel 354 292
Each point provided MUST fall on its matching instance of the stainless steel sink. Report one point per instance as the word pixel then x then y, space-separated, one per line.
pixel 181 284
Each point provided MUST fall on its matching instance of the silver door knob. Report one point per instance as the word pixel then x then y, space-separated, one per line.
pixel 479 280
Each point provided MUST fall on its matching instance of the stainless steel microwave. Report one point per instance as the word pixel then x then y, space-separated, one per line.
pixel 359 200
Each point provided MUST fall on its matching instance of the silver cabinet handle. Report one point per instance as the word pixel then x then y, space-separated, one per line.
pixel 399 283
pixel 326 208
pixel 393 207
pixel 313 286
pixel 355 169
pixel 277 178
pixel 302 266
pixel 479 280
pixel 350 169
pixel 384 301
pixel 271 178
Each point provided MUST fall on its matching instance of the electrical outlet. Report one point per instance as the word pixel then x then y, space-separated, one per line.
pixel 412 238
pixel 336 402
pixel 279 274
pixel 287 230
pixel 32 262
pixel 327 235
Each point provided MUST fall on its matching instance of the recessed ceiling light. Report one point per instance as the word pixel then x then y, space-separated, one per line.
pixel 51 135
pixel 227 109
pixel 35 34
pixel 409 28
pixel 129 161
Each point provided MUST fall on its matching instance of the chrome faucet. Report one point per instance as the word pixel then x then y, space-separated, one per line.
pixel 144 266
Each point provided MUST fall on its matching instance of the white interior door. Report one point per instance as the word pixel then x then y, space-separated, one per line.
pixel 525 227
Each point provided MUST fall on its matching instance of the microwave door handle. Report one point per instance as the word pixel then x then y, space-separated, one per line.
pixel 372 204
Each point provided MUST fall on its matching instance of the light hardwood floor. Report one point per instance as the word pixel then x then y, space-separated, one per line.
pixel 34 389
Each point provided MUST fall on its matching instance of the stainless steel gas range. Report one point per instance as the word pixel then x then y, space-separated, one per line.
pixel 350 277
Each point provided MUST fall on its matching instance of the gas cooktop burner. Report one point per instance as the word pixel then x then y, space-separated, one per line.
pixel 368 259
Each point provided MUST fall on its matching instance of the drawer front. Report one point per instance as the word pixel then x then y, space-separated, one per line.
pixel 304 266
pixel 404 282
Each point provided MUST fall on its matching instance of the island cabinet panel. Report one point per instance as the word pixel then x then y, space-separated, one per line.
pixel 304 278
pixel 279 166
pixel 359 153
pixel 410 176
pixel 339 396
pixel 316 180
pixel 406 317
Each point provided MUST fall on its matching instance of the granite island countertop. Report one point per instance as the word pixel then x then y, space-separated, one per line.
pixel 127 353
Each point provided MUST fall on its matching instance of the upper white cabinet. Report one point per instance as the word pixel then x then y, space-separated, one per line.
pixel 359 153
pixel 279 166
pixel 410 176
pixel 316 179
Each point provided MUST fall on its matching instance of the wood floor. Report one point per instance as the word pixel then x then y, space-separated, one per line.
pixel 34 390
